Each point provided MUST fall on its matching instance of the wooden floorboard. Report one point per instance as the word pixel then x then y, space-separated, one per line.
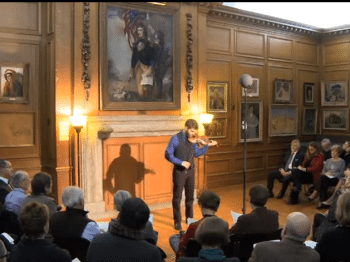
pixel 231 199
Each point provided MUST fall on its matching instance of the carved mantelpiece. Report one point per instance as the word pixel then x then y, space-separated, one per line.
pixel 102 127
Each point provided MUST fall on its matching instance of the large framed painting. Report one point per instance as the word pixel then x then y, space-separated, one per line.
pixel 217 128
pixel 13 82
pixel 138 57
pixel 283 91
pixel 334 93
pixel 252 126
pixel 216 97
pixel 336 119
pixel 309 121
pixel 283 120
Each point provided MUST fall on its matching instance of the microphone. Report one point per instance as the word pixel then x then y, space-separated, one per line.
pixel 245 80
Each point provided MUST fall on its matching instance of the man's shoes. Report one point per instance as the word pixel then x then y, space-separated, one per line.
pixel 177 226
pixel 280 195
pixel 322 206
pixel 271 195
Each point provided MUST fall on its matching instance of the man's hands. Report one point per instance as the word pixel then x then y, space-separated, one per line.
pixel 302 168
pixel 284 173
pixel 186 164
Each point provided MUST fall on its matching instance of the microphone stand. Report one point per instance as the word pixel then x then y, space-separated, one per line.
pixel 245 152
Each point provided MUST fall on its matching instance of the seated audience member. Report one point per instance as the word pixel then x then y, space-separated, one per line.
pixel 9 224
pixel 332 172
pixel 4 254
pixel 41 187
pixel 5 174
pixel 123 241
pixel 212 233
pixel 309 170
pixel 261 219
pixel 149 234
pixel 334 243
pixel 20 182
pixel 291 248
pixel 346 153
pixel 73 222
pixel 324 222
pixel 326 148
pixel 209 203
pixel 33 247
pixel 293 158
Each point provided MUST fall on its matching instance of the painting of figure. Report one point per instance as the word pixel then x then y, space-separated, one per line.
pixel 11 82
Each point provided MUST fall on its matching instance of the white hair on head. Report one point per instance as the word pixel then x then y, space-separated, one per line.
pixel 72 196
pixel 120 197
pixel 18 177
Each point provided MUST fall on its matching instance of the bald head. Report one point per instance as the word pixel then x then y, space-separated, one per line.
pixel 297 227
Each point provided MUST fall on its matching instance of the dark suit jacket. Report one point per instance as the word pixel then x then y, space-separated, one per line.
pixel 298 159
pixel 283 251
pixel 198 259
pixel 260 220
pixel 4 190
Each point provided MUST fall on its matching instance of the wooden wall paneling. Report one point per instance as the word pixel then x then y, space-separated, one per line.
pixel 50 17
pixel 335 74
pixel 249 44
pixel 280 49
pixel 219 40
pixel 24 18
pixel 336 53
pixel 306 53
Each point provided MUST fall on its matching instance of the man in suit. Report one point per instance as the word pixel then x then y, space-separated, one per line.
pixel 5 174
pixel 291 247
pixel 292 159
pixel 261 219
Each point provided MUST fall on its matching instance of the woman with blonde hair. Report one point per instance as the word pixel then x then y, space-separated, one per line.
pixel 334 243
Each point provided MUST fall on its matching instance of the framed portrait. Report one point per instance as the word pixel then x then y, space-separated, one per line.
pixel 283 120
pixel 336 119
pixel 217 128
pixel 137 57
pixel 253 90
pixel 334 93
pixel 309 93
pixel 283 91
pixel 216 97
pixel 252 126
pixel 13 82
pixel 309 121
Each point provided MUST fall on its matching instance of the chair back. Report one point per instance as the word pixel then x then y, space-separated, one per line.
pixel 243 243
pixel 76 246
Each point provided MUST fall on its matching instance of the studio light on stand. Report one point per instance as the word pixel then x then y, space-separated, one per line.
pixel 78 123
pixel 206 120
pixel 245 81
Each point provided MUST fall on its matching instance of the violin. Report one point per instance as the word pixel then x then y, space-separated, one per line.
pixel 200 139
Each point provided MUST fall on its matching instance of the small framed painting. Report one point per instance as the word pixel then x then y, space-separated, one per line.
pixel 283 91
pixel 309 94
pixel 309 121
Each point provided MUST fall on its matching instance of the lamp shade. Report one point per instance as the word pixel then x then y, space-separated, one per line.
pixel 206 118
pixel 245 80
pixel 78 120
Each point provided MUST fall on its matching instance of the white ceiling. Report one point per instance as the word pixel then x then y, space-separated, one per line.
pixel 323 15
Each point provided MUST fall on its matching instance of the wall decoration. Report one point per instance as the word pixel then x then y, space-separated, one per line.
pixel 13 82
pixel 283 120
pixel 217 128
pixel 216 97
pixel 283 91
pixel 309 93
pixel 137 53
pixel 309 121
pixel 334 93
pixel 253 90
pixel 336 119
pixel 254 121
pixel 189 55
pixel 86 52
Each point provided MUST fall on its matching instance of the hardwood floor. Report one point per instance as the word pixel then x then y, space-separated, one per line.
pixel 231 199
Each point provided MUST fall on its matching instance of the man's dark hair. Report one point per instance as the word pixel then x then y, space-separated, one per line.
pixel 209 199
pixel 33 218
pixel 3 163
pixel 258 195
pixel 134 213
pixel 191 123
pixel 40 181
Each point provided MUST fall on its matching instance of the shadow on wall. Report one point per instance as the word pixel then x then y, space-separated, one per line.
pixel 125 172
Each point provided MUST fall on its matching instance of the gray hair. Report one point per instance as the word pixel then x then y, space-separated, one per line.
pixel 326 141
pixel 3 163
pixel 72 196
pixel 296 141
pixel 120 197
pixel 18 177
pixel 297 227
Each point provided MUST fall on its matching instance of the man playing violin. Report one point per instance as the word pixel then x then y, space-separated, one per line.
pixel 181 152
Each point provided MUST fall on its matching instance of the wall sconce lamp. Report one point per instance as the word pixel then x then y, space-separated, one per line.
pixel 206 120
pixel 78 123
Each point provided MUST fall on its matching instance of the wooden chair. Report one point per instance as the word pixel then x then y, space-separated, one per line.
pixel 193 248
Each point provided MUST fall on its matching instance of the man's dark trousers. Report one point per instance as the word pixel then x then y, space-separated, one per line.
pixel 276 175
